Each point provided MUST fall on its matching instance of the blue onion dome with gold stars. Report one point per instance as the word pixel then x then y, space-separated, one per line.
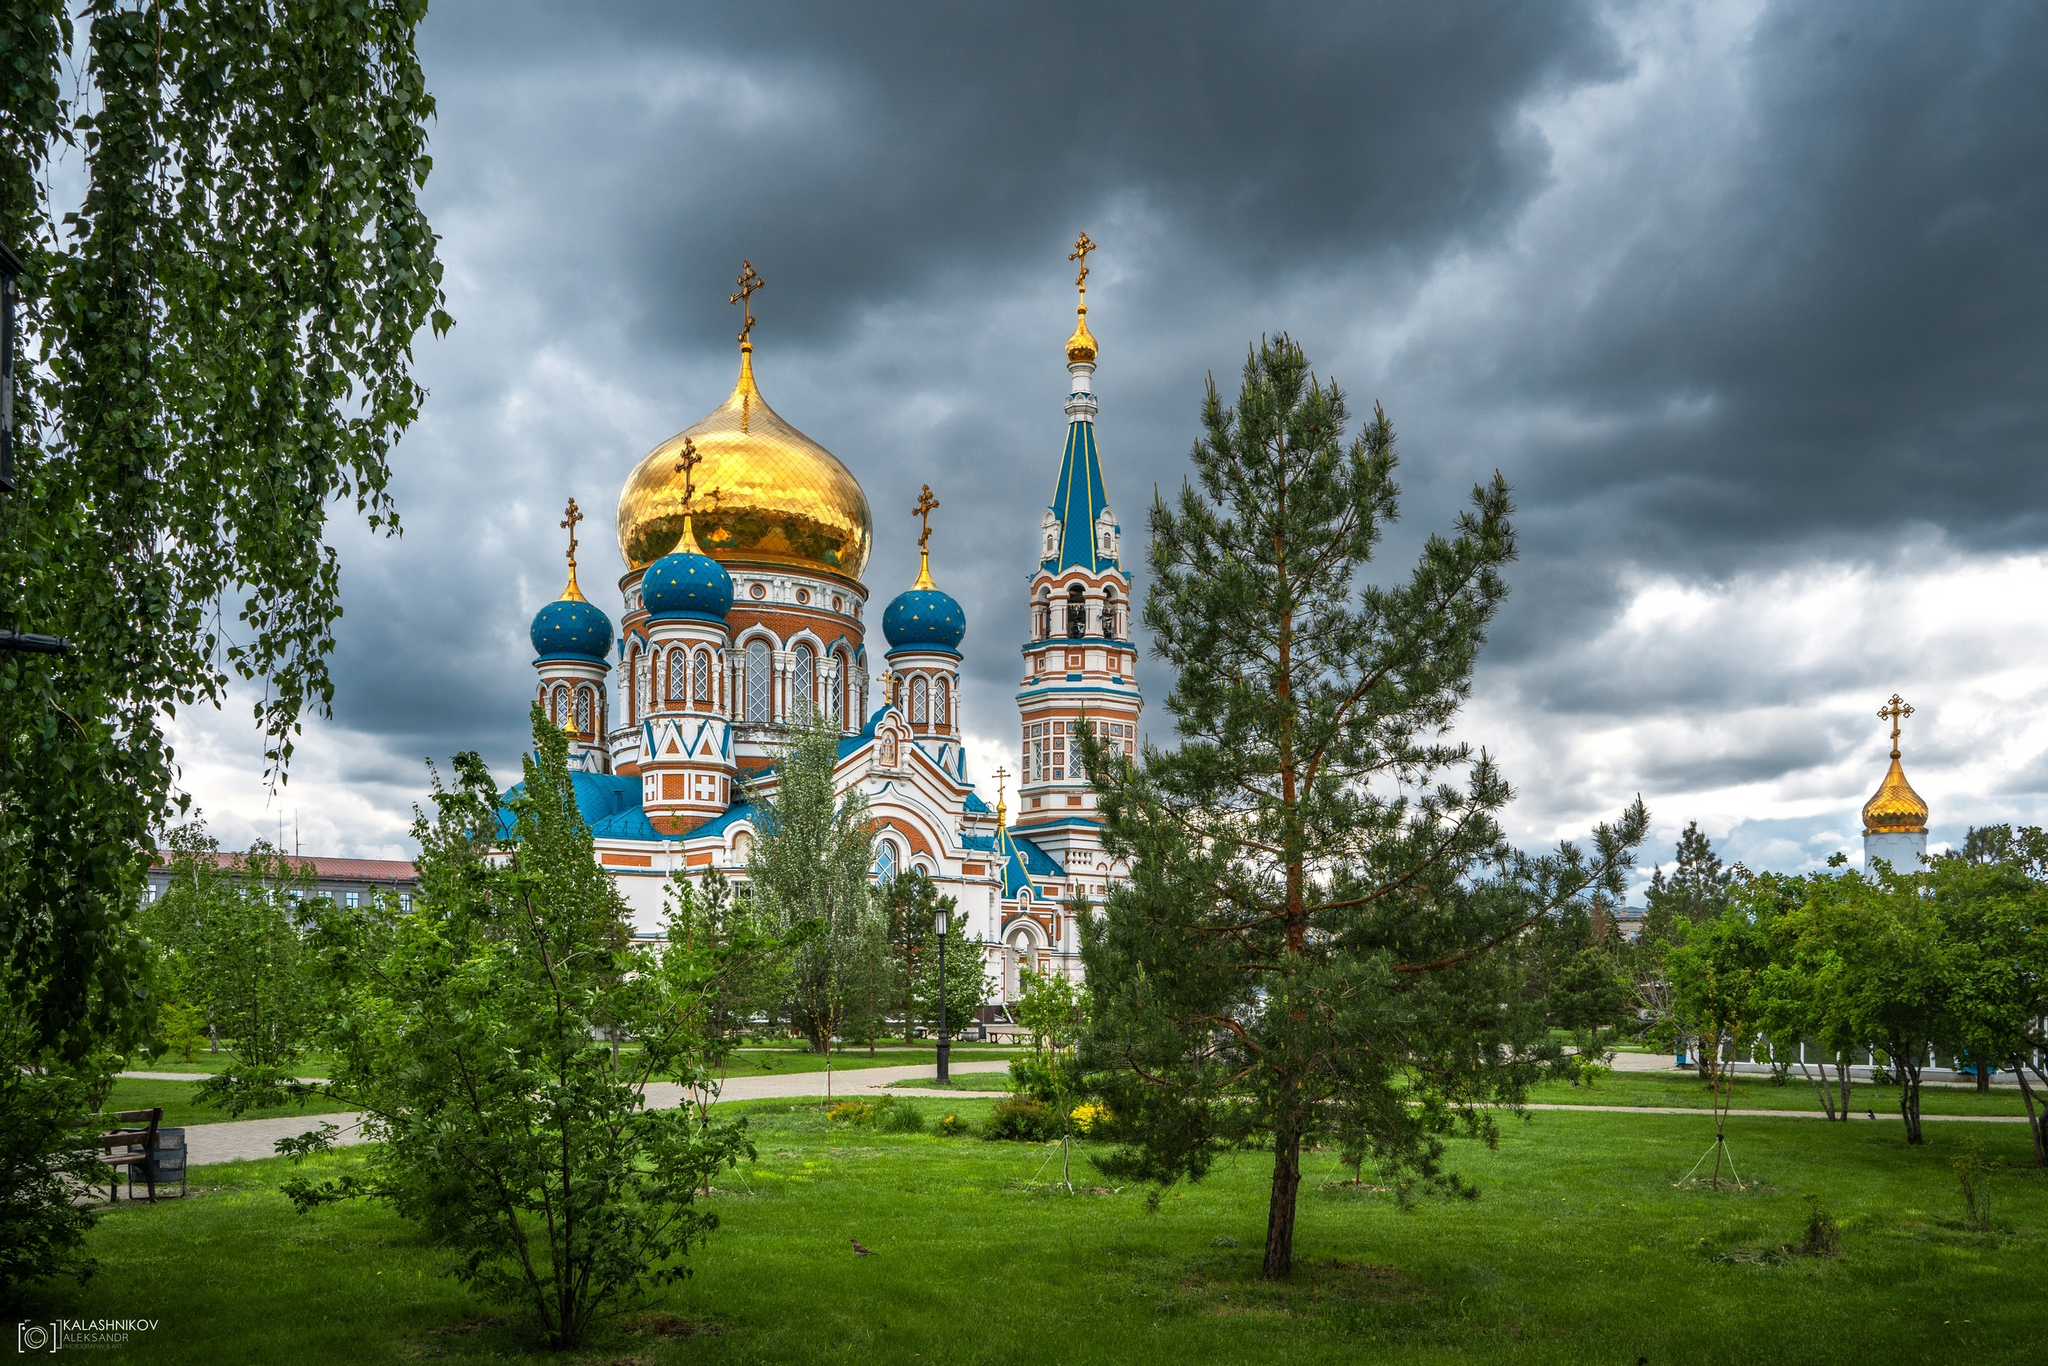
pixel 571 627
pixel 924 616
pixel 687 583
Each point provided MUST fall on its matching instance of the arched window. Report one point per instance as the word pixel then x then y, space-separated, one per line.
pixel 584 709
pixel 559 713
pixel 803 683
pixel 678 674
pixel 1112 620
pixel 919 706
pixel 700 676
pixel 1077 613
pixel 885 859
pixel 941 717
pixel 760 682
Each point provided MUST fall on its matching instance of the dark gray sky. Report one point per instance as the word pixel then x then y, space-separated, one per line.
pixel 1749 302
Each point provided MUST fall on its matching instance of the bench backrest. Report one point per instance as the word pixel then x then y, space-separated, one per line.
pixel 144 1138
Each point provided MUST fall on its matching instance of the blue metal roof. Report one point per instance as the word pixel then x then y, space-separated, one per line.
pixel 1079 502
pixel 599 797
pixel 976 804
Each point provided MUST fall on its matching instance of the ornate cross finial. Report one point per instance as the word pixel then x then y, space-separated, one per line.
pixel 1082 246
pixel 570 517
pixel 749 282
pixel 1895 711
pixel 687 461
pixel 926 506
pixel 1002 775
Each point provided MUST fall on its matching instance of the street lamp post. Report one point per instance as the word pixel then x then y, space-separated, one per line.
pixel 941 922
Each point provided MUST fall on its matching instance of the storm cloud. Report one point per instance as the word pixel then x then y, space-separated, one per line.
pixel 1749 302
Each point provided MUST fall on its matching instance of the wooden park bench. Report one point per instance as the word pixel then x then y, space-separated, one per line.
pixel 126 1149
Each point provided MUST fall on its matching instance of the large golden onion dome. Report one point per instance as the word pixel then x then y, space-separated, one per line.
pixel 1895 808
pixel 763 493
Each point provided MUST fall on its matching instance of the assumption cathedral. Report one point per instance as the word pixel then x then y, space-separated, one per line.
pixel 745 542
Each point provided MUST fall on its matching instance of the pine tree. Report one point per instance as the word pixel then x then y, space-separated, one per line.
pixel 1323 931
pixel 1696 891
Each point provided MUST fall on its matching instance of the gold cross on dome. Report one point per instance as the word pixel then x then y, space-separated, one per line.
pixel 749 282
pixel 686 465
pixel 1082 246
pixel 1895 711
pixel 926 506
pixel 569 520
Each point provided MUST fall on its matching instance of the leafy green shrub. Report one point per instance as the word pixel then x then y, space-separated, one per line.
pixel 902 1119
pixel 952 1126
pixel 1021 1120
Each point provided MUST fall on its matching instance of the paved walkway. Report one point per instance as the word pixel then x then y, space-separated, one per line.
pixel 252 1138
pixel 235 1140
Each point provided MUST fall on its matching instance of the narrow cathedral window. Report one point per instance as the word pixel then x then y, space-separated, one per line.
pixel 759 681
pixel 941 717
pixel 885 860
pixel 561 707
pixel 700 676
pixel 803 682
pixel 918 714
pixel 583 711
pixel 678 673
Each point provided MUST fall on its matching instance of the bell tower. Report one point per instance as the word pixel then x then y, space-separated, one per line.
pixel 1080 665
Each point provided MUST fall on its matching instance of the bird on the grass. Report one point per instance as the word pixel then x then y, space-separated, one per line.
pixel 1871 1113
pixel 858 1250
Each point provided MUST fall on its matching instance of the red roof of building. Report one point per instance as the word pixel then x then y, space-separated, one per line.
pixel 332 869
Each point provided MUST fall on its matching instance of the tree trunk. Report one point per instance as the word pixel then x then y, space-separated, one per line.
pixel 1983 1080
pixel 1279 1264
pixel 1847 1077
pixel 2037 1127
pixel 1909 1098
pixel 1821 1088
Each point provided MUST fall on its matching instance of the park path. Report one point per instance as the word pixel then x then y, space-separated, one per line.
pixel 252 1138
pixel 235 1140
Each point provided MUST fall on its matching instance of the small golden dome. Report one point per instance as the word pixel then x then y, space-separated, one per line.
pixel 1081 346
pixel 1895 808
pixel 765 493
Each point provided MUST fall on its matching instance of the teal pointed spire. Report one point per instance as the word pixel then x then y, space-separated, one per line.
pixel 1079 502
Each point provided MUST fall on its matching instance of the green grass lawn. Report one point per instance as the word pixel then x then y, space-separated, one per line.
pixel 131 1093
pixel 983 1082
pixel 1578 1249
pixel 1757 1093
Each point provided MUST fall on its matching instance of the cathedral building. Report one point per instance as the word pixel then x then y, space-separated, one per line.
pixel 745 542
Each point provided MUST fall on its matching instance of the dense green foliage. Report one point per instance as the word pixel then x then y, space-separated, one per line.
pixel 217 349
pixel 475 1033
pixel 1324 929
pixel 808 870
pixel 46 1123
pixel 228 946
pixel 1948 961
